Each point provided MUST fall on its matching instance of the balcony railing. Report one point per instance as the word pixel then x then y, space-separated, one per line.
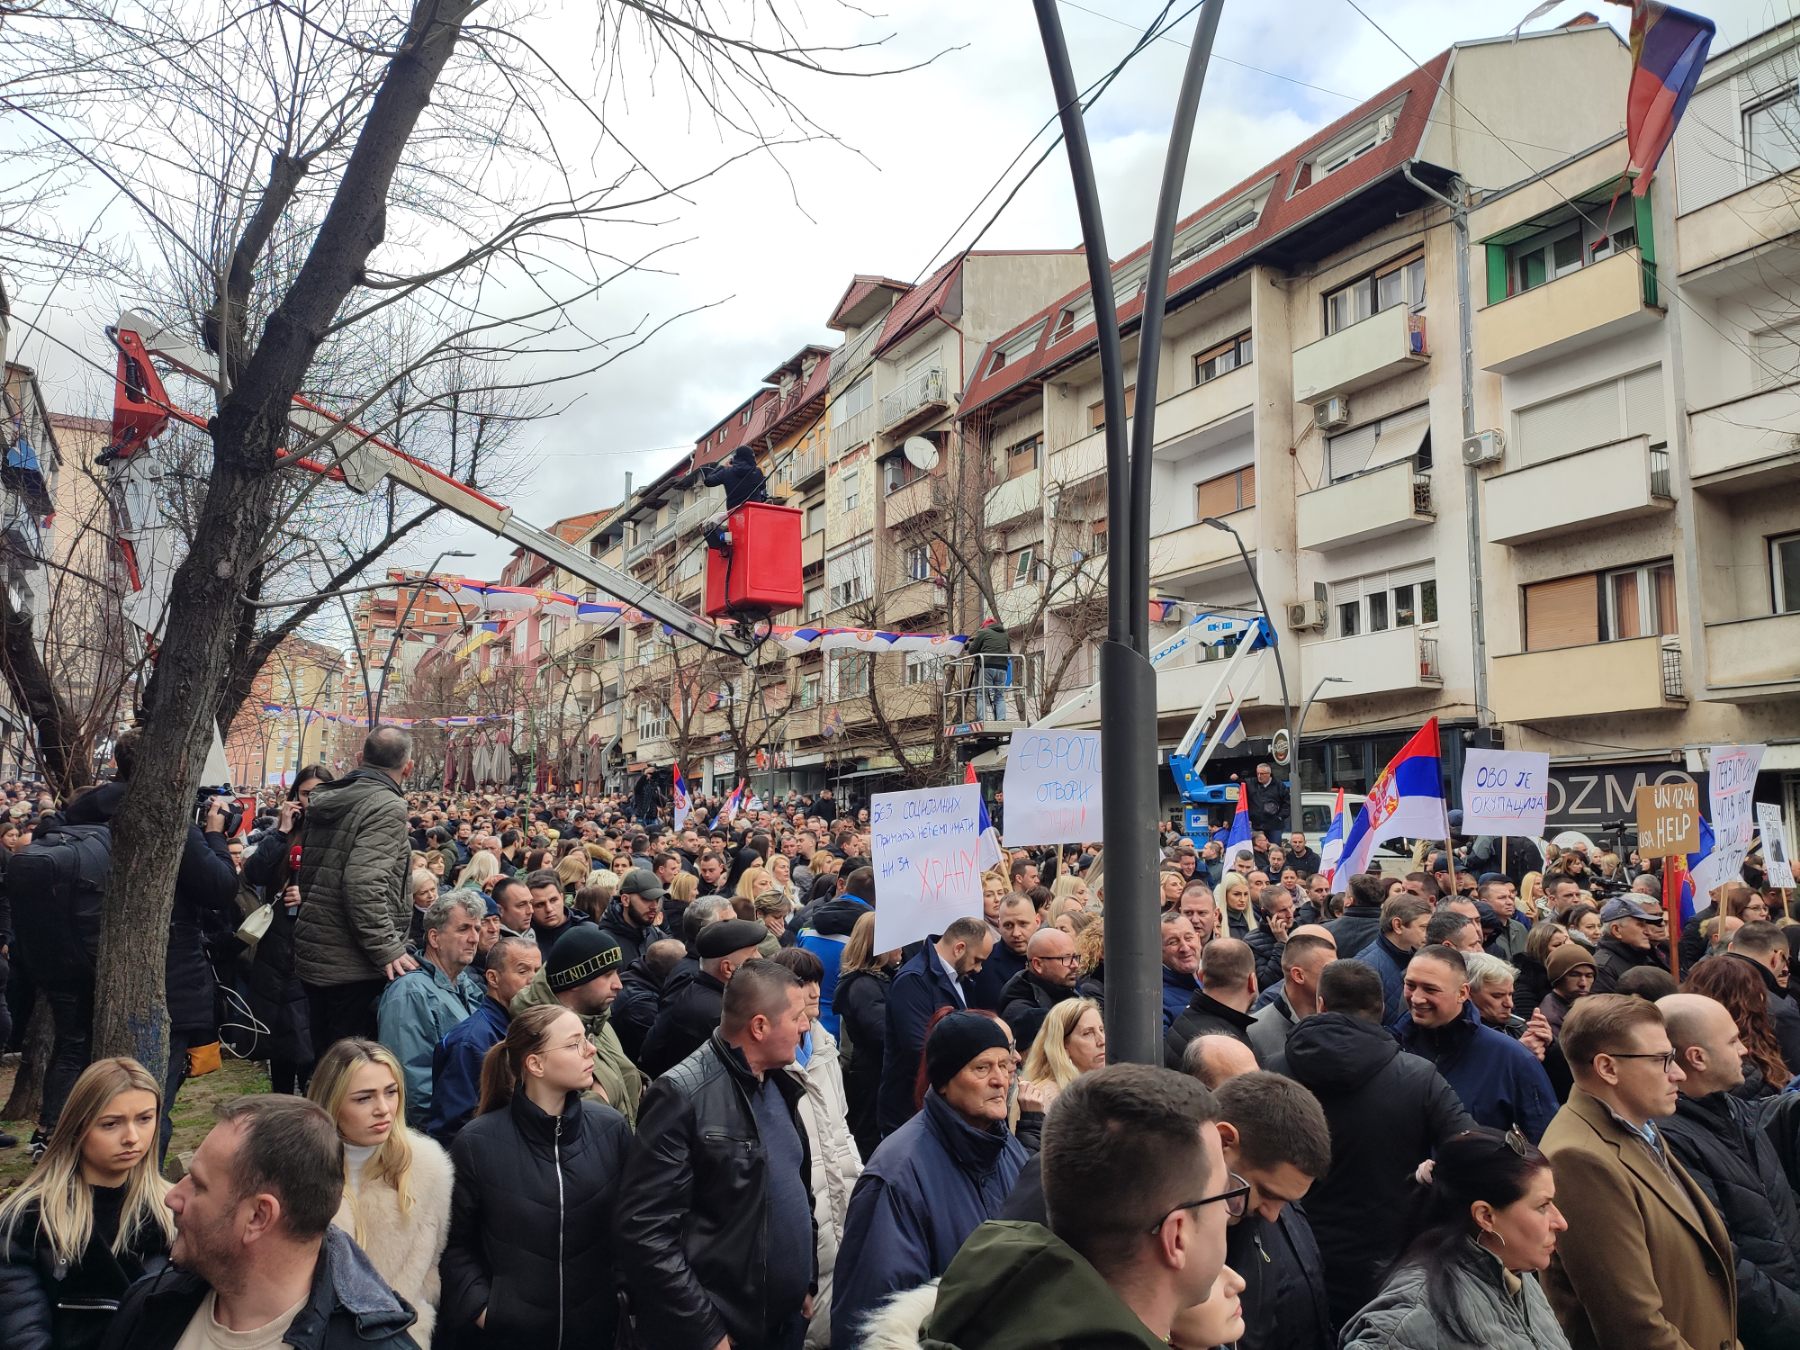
pixel 1659 472
pixel 1671 671
pixel 925 389
pixel 856 429
pixel 1429 669
pixel 1422 493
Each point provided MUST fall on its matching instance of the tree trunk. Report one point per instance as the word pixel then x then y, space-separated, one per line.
pixel 28 1084
pixel 65 751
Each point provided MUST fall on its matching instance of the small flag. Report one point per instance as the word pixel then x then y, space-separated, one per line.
pixel 682 805
pixel 1238 841
pixel 1331 847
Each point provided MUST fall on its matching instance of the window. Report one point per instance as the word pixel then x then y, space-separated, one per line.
pixel 1784 573
pixel 851 486
pixel 847 675
pixel 815 517
pixel 1227 493
pixel 1348 148
pixel 1229 221
pixel 1375 445
pixel 1400 282
pixel 744 418
pixel 847 576
pixel 1097 411
pixel 1584 419
pixel 921 668
pixel 1403 598
pixel 1013 348
pixel 1018 564
pixel 1565 247
pixel 1772 135
pixel 1217 361
pixel 1099 537
pixel 1021 458
pixel 815 603
pixel 809 689
pixel 917 563
pixel 650 722
pixel 853 400
pixel 1077 314
pixel 1595 607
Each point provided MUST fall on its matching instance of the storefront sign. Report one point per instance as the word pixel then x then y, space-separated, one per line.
pixel 1602 798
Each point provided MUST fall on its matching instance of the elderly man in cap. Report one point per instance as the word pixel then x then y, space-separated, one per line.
pixel 691 1014
pixel 936 1179
pixel 634 918
pixel 582 974
pixel 1626 942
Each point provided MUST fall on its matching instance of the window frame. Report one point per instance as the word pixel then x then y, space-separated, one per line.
pixel 1012 455
pixel 1021 562
pixel 1778 573
pixel 1367 287
pixel 850 488
pixel 1759 170
pixel 1239 481
pixel 1240 348
pixel 915 562
pixel 1367 617
pixel 1097 410
pixel 1649 616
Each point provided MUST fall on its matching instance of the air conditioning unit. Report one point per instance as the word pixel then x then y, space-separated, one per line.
pixel 1485 447
pixel 1384 129
pixel 1332 414
pixel 1307 616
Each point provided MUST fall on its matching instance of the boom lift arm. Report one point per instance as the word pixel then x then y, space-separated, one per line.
pixel 361 460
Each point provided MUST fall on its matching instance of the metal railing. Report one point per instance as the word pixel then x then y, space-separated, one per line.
pixel 1429 669
pixel 856 429
pixel 1671 672
pixel 992 690
pixel 1421 486
pixel 1659 471
pixel 925 388
pixel 804 465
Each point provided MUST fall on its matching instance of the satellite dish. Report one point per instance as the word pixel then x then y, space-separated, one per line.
pixel 920 453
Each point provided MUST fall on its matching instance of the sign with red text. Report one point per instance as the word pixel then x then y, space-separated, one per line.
pixel 1731 787
pixel 925 847
pixel 1052 787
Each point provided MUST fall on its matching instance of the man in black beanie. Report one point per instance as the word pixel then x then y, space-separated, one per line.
pixel 937 1178
pixel 690 1015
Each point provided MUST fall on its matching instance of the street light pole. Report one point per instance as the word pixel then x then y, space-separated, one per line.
pixel 1129 808
pixel 412 599
pixel 1280 670
pixel 1300 729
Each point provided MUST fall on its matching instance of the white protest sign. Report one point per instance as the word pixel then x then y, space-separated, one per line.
pixel 1505 792
pixel 1777 860
pixel 1052 787
pixel 1731 779
pixel 924 846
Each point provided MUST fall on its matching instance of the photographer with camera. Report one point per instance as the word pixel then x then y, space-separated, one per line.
pixel 275 993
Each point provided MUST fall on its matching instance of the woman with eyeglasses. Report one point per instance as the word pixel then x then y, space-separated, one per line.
pixel 1071 1041
pixel 1484 1228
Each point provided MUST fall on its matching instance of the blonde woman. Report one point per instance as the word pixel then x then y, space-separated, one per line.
pixel 479 874
pixel 1234 900
pixel 397 1182
pixel 573 871
pixel 752 882
pixel 1071 1042
pixel 781 868
pixel 89 1219
pixel 1531 895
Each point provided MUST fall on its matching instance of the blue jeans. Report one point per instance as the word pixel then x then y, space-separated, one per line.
pixel 993 695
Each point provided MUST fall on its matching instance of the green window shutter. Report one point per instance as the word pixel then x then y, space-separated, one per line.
pixel 1496 273
pixel 1646 247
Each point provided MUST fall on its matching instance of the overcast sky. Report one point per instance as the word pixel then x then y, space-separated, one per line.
pixel 926 145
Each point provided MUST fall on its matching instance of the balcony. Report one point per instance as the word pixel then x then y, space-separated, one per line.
pixel 908 500
pixel 856 429
pixel 1196 552
pixel 1597 680
pixel 1378 348
pixel 924 395
pixel 1181 688
pixel 1013 499
pixel 1365 506
pixel 1399 660
pixel 1021 605
pixel 1596 305
pixel 812 550
pixel 1738 229
pixel 1750 659
pixel 1199 409
pixel 1747 443
pixel 805 468
pixel 1603 486
pixel 910 600
pixel 1083 583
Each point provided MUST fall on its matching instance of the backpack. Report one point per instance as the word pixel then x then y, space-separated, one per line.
pixel 57 886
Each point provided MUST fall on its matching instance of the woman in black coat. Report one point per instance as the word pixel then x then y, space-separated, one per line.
pixel 529 1264
pixel 276 995
pixel 860 1001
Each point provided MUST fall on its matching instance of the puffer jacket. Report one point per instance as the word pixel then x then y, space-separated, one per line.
pixel 354 860
pixel 349 1307
pixel 47 1304
pixel 692 1212
pixel 615 1076
pixel 1531 986
pixel 1403 1317
pixel 836 1164
pixel 1720 1140
pixel 531 1227
pixel 688 1017
pixel 861 1001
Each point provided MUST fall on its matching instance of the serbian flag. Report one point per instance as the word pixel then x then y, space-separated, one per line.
pixel 682 804
pixel 1238 841
pixel 730 809
pixel 1668 52
pixel 1331 847
pixel 1408 799
pixel 1701 872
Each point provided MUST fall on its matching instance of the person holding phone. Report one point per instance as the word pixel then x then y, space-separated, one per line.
pixel 275 992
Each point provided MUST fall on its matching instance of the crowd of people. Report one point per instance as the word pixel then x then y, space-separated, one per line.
pixel 559 1071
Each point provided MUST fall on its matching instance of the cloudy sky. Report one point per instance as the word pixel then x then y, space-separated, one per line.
pixel 919 151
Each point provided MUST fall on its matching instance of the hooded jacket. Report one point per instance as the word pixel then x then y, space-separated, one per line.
pixel 1387 1111
pixel 1719 1139
pixel 932 1182
pixel 349 1308
pixel 632 940
pixel 354 860
pixel 615 1076
pixel 1012 1286
pixel 1500 1082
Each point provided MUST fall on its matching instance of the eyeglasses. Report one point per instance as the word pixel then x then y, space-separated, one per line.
pixel 1066 956
pixel 1668 1059
pixel 1236 1200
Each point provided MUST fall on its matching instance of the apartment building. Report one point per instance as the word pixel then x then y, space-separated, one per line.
pixel 1625 597
pixel 29 474
pixel 276 731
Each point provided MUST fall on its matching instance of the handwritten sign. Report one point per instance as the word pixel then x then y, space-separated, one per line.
pixel 1777 860
pixel 924 846
pixel 1668 819
pixel 1053 787
pixel 1731 784
pixel 1505 792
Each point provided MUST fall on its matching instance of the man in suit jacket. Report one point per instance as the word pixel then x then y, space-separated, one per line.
pixel 936 976
pixel 1647 1263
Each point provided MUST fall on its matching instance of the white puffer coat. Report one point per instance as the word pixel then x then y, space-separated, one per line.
pixel 835 1163
pixel 404 1248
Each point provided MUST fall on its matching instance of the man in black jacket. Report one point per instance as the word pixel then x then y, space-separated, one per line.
pixel 634 918
pixel 641 984
pixel 1269 802
pixel 1626 943
pixel 690 1014
pixel 1275 1137
pixel 1764 946
pixel 1048 979
pixel 1221 1006
pixel 1388 1111
pixel 716 1234
pixel 1357 926
pixel 255 1249
pixel 1719 1139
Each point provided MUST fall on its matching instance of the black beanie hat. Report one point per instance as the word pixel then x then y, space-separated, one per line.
pixel 583 953
pixel 956 1040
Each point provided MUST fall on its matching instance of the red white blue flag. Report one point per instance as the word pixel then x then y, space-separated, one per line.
pixel 1408 799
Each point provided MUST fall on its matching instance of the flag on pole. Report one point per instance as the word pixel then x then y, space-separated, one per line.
pixel 1238 841
pixel 988 853
pixel 1702 867
pixel 682 805
pixel 1668 52
pixel 730 809
pixel 1407 799
pixel 969 774
pixel 1331 847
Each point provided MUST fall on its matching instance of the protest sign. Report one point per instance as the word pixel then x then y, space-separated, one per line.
pixel 1731 783
pixel 924 846
pixel 1505 792
pixel 1668 819
pixel 1777 861
pixel 1052 787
